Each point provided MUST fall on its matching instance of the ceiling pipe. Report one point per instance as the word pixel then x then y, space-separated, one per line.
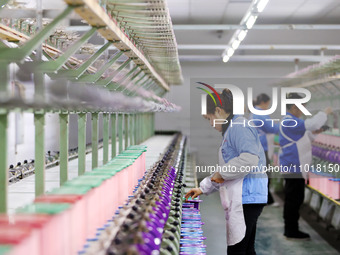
pixel 255 58
pixel 259 47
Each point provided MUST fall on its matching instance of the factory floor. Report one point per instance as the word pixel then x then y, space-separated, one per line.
pixel 21 193
pixel 269 235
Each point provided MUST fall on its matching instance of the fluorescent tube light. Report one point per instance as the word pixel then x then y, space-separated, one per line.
pixel 235 44
pixel 261 5
pixel 251 21
pixel 225 58
pixel 242 35
pixel 230 52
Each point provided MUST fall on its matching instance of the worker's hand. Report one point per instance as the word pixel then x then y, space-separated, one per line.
pixel 328 110
pixel 193 193
pixel 217 178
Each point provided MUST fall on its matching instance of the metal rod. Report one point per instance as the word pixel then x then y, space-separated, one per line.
pixel 81 143
pixel 64 120
pixel 153 124
pixel 107 80
pixel 135 128
pixel 95 77
pixel 4 74
pixel 105 138
pixel 127 75
pixel 39 161
pixel 126 130
pixel 259 47
pixel 94 140
pixel 78 72
pixel 120 133
pixel 260 27
pixel 3 162
pixel 113 135
pixel 255 58
pixel 131 130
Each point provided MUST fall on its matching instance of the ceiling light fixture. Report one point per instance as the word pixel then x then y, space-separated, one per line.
pixel 235 44
pixel 261 5
pixel 247 22
pixel 225 58
pixel 230 52
pixel 242 34
pixel 251 21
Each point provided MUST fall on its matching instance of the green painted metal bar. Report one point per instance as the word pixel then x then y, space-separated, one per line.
pixel 128 74
pixel 94 118
pixel 135 129
pixel 81 143
pixel 131 80
pixel 152 86
pixel 39 161
pixel 148 127
pixel 153 124
pixel 163 93
pixel 144 83
pixel 136 85
pixel 53 66
pixel 147 130
pixel 126 130
pixel 18 54
pixel 105 138
pixel 82 69
pixel 95 77
pixel 106 81
pixel 158 90
pixel 120 133
pixel 131 130
pixel 145 126
pixel 136 75
pixel 120 83
pixel 140 128
pixel 4 74
pixel 3 162
pixel 113 135
pixel 64 120
pixel 139 80
pixel 39 85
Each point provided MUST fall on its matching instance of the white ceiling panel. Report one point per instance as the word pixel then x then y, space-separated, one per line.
pixel 179 9
pixel 280 9
pixel 235 12
pixel 205 10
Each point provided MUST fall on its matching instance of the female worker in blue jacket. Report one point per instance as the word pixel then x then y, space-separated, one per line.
pixel 243 190
pixel 264 127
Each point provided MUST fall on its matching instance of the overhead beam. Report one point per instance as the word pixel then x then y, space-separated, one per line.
pixel 249 47
pixel 254 58
pixel 234 27
pixel 259 47
pixel 260 27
